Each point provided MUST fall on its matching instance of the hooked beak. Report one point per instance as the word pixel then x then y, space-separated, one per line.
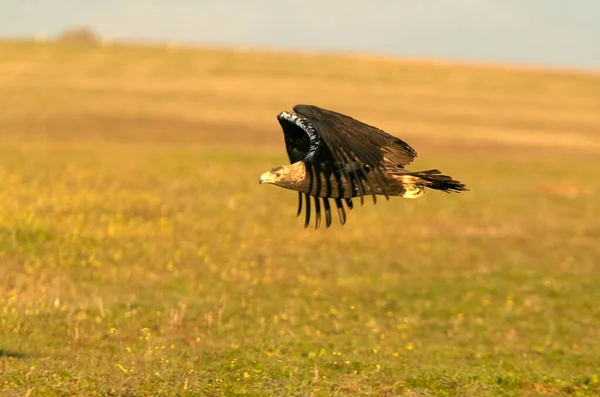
pixel 265 178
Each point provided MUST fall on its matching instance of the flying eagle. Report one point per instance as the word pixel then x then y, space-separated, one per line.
pixel 334 156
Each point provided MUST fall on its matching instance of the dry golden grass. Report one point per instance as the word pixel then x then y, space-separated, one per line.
pixel 141 257
pixel 445 102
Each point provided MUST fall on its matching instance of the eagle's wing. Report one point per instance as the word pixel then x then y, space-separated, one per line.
pixel 358 147
pixel 300 146
pixel 351 140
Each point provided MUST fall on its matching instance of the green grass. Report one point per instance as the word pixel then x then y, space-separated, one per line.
pixel 139 255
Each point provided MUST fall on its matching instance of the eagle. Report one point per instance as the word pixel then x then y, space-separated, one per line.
pixel 336 157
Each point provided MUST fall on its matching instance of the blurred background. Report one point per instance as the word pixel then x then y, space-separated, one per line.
pixel 139 255
pixel 511 31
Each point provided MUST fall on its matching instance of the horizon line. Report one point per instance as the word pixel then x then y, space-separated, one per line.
pixel 301 51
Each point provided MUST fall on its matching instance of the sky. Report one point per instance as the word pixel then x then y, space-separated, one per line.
pixel 560 33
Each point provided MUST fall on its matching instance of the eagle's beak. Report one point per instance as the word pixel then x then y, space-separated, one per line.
pixel 265 178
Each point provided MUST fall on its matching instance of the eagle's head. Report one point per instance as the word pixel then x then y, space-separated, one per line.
pixel 273 176
pixel 288 176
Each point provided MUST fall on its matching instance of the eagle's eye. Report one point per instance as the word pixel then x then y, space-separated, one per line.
pixel 278 174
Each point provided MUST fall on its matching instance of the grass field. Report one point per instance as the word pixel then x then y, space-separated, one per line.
pixel 139 255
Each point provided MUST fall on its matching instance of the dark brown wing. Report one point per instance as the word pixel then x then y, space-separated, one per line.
pixel 298 145
pixel 362 142
pixel 352 142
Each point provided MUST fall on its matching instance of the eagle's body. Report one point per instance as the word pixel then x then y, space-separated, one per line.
pixel 337 157
pixel 328 186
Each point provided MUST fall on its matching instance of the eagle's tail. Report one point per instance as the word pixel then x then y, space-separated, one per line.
pixel 434 179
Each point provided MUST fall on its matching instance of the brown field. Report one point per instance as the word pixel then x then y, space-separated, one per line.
pixel 139 255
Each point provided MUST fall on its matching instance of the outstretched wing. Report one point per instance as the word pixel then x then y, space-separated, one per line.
pixel 351 141
pixel 302 145
pixel 356 148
